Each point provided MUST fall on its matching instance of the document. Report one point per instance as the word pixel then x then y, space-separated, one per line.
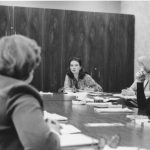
pixel 54 116
pixel 45 93
pixel 103 124
pixel 105 105
pixel 123 148
pixel 76 140
pixel 113 110
pixel 125 97
pixel 69 129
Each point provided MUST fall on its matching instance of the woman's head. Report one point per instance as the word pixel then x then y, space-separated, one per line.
pixel 144 63
pixel 19 56
pixel 75 67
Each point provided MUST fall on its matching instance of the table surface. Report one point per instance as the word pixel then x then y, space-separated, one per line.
pixel 78 115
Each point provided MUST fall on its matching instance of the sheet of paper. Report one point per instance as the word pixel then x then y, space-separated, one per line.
pixel 79 139
pixel 54 116
pixel 106 99
pixel 105 105
pixel 113 110
pixel 123 148
pixel 125 97
pixel 79 95
pixel 69 129
pixel 111 99
pixel 103 124
pixel 99 104
pixel 45 93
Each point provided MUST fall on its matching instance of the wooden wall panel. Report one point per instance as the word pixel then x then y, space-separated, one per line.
pixel 75 38
pixel 96 42
pixel 53 46
pixel 21 21
pixel 35 30
pixel 5 22
pixel 104 42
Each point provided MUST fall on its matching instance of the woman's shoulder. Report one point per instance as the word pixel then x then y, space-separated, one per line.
pixel 87 75
pixel 19 90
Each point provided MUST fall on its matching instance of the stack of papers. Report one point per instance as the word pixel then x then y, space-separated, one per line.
pixel 54 116
pixel 113 110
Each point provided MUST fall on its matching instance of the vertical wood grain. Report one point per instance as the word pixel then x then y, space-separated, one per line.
pixel 5 22
pixel 35 32
pixel 21 20
pixel 53 45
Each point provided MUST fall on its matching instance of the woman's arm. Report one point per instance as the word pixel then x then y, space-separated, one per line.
pixel 67 84
pixel 90 82
pixel 30 125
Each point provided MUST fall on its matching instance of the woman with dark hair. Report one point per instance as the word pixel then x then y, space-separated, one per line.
pixel 22 124
pixel 77 79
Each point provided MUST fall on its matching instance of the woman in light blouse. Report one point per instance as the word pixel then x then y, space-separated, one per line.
pixel 77 79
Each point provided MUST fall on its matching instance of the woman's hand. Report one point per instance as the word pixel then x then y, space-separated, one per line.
pixel 141 75
pixel 128 92
pixel 53 125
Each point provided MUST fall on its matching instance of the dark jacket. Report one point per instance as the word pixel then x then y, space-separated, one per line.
pixel 22 126
pixel 143 103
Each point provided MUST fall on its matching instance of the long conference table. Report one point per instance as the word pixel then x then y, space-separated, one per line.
pixel 131 135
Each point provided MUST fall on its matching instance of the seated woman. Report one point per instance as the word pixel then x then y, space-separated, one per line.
pixel 22 124
pixel 77 79
pixel 144 63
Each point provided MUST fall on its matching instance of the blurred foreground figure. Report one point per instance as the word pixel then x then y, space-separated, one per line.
pixel 22 126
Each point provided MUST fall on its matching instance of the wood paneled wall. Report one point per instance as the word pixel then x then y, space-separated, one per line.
pixel 104 42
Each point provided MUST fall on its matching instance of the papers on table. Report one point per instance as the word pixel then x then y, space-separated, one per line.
pixel 105 105
pixel 125 97
pixel 113 110
pixel 69 129
pixel 70 135
pixel 45 93
pixel 79 139
pixel 79 95
pixel 103 124
pixel 54 116
pixel 123 148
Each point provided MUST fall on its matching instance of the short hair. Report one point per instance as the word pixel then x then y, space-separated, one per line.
pixel 19 55
pixel 82 72
pixel 145 62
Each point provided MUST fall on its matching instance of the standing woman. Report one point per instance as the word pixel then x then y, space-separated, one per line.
pixel 77 79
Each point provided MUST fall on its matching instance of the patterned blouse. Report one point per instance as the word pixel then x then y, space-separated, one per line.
pixel 82 84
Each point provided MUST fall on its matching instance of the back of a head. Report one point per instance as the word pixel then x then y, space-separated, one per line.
pixel 19 55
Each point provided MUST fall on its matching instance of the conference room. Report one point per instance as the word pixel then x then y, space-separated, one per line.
pixel 108 41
